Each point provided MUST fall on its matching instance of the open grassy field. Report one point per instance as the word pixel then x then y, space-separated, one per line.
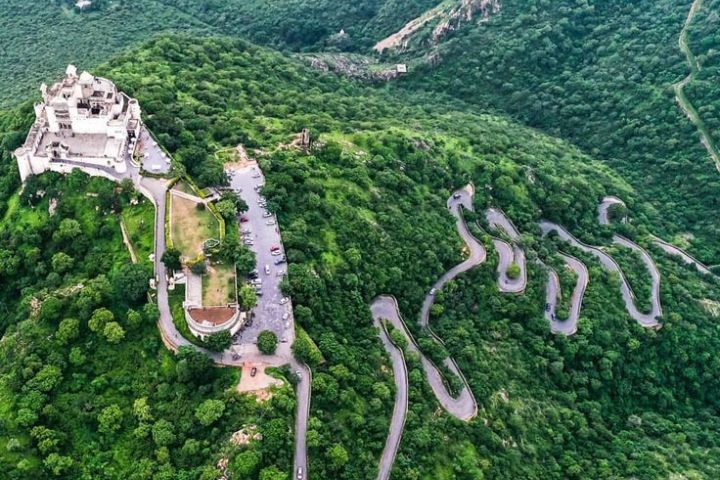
pixel 190 226
pixel 219 286
pixel 139 220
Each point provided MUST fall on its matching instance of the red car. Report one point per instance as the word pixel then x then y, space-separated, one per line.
pixel 244 219
pixel 274 248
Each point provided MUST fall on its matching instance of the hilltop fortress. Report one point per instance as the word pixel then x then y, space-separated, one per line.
pixel 83 121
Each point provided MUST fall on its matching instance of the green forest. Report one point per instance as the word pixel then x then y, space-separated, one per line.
pixel 545 107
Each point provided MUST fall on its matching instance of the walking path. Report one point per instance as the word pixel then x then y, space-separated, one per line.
pixel 680 95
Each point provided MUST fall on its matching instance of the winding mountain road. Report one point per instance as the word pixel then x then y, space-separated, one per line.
pixel 569 325
pixel 507 253
pixel 397 422
pixel 645 319
pixel 603 219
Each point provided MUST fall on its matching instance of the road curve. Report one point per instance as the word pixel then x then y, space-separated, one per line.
pixel 478 254
pixel 569 325
pixel 604 209
pixel 644 319
pixel 397 423
pixel 507 253
pixel 464 407
pixel 668 248
pixel 678 252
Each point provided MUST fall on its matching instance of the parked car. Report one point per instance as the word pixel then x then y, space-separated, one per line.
pixel 274 248
pixel 284 300
pixel 280 260
pixel 433 291
pixel 300 473
pixel 253 274
pixel 267 269
pixel 267 215
pixel 270 222
pixel 457 196
pixel 285 316
pixel 244 219
pixel 276 253
pixel 253 371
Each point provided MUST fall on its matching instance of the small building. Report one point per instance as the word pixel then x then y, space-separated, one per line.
pixel 82 121
pixel 401 68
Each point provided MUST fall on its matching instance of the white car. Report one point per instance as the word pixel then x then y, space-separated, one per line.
pixel 267 269
pixel 284 300
pixel 285 316
pixel 433 291
pixel 267 215
pixel 276 253
pixel 270 222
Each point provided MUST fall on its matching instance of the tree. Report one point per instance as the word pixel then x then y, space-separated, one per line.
pixel 61 262
pixel 110 419
pixel 267 342
pixel 217 342
pixel 68 229
pixel 131 282
pixel 513 271
pixel 245 464
pixel 100 318
pixel 248 297
pixel 163 433
pixel 227 209
pixel 58 464
pixel 337 456
pixel 68 330
pixel 272 473
pixel 134 318
pixel 199 268
pixel 171 259
pixel 209 411
pixel 305 349
pixel 113 332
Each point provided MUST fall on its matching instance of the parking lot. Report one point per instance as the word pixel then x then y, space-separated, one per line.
pixel 272 312
pixel 153 158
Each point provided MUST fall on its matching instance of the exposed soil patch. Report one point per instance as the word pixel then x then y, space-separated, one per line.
pixel 213 315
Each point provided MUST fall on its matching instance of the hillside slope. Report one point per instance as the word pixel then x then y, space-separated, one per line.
pixel 363 214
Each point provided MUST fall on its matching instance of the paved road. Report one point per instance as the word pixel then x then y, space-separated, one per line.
pixel 644 319
pixel 604 209
pixel 464 407
pixel 478 254
pixel 397 423
pixel 678 252
pixel 567 326
pixel 507 253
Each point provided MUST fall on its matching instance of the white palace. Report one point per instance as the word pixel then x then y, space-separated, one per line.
pixel 83 121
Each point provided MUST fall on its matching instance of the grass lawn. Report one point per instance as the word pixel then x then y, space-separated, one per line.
pixel 191 227
pixel 176 298
pixel 184 187
pixel 140 221
pixel 218 286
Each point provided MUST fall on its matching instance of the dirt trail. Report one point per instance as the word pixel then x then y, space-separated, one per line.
pixel 681 97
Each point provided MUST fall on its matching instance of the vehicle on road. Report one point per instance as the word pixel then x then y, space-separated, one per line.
pixel 244 219
pixel 457 196
pixel 433 291
pixel 274 248
pixel 280 260
pixel 248 242
pixel 267 269
pixel 253 274
pixel 284 300
pixel 270 222
pixel 547 307
pixel 285 316
pixel 267 215
pixel 276 253
pixel 253 371
pixel 300 473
